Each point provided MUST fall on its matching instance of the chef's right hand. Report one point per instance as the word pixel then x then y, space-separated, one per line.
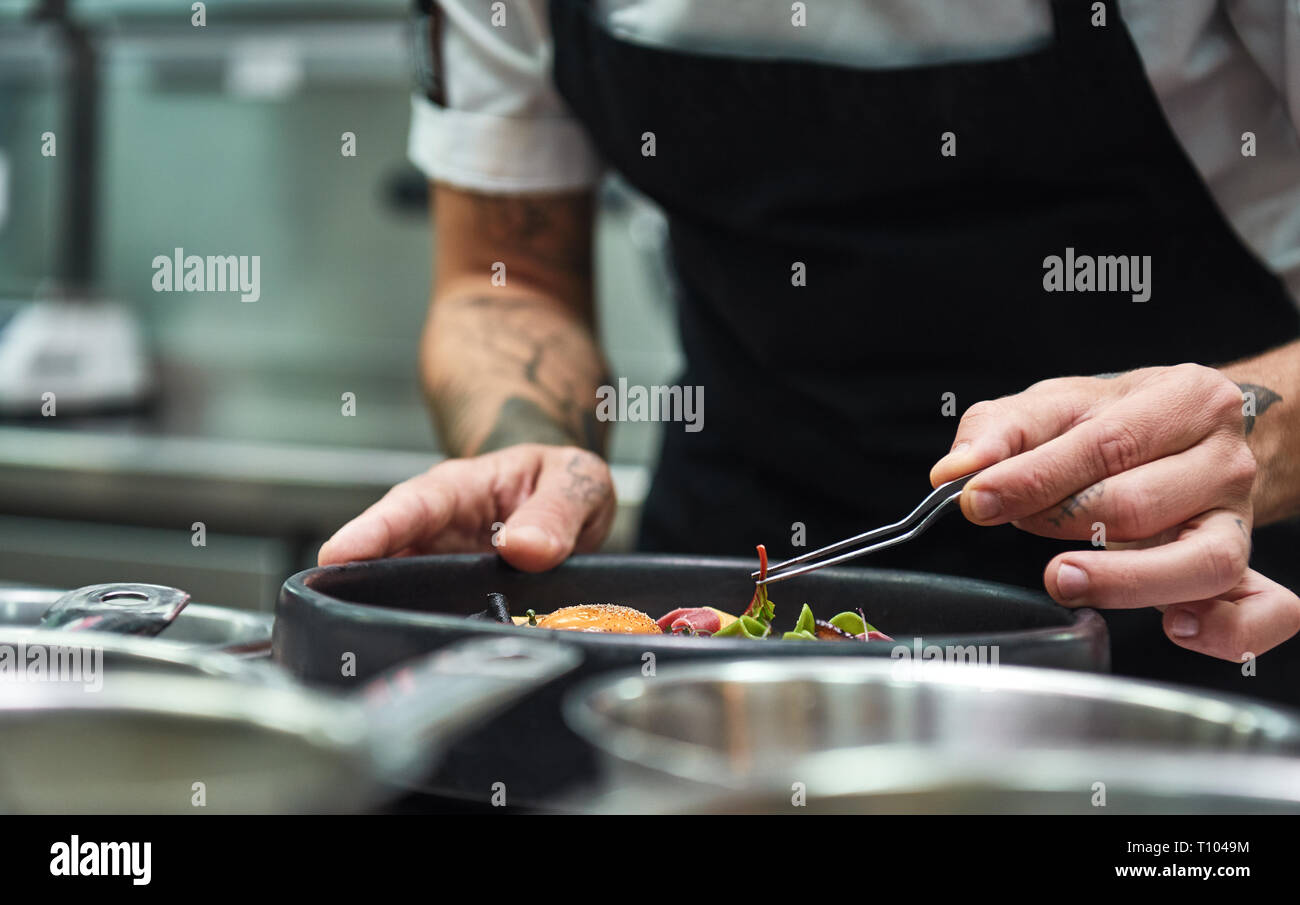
pixel 534 504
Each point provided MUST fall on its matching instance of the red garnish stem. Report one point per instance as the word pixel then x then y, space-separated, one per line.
pixel 762 574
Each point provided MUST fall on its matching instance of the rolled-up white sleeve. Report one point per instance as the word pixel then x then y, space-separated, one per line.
pixel 1270 29
pixel 487 115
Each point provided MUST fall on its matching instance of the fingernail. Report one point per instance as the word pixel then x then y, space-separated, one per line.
pixel 1071 581
pixel 337 546
pixel 985 505
pixel 532 536
pixel 959 448
pixel 1184 625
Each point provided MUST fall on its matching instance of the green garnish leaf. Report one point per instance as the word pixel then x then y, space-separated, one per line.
pixel 745 627
pixel 760 608
pixel 807 621
pixel 852 623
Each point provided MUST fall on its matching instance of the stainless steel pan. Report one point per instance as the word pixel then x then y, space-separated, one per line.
pixel 192 732
pixel 905 736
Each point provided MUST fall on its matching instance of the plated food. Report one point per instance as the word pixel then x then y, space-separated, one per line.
pixel 755 623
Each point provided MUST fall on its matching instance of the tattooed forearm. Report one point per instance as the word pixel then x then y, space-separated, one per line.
pixel 509 352
pixel 541 226
pixel 523 373
pixel 1256 400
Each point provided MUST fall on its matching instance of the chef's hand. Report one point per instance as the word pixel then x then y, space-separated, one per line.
pixel 1157 459
pixel 534 504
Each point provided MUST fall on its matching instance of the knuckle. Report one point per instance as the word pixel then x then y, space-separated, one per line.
pixel 1210 389
pixel 1025 488
pixel 583 458
pixel 1242 469
pixel 427 506
pixel 1050 384
pixel 1226 399
pixel 980 412
pixel 1224 564
pixel 516 455
pixel 581 479
pixel 1013 484
pixel 401 493
pixel 1196 373
pixel 1119 448
pixel 528 450
pixel 1133 513
pixel 445 470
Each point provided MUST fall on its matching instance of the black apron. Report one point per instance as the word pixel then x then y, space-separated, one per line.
pixel 823 403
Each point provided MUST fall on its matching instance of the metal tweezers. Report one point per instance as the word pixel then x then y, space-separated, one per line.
pixel 921 518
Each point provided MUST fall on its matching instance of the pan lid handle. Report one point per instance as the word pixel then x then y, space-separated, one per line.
pixel 416 706
pixel 122 608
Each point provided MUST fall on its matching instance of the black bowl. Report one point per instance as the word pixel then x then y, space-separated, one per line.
pixel 386 611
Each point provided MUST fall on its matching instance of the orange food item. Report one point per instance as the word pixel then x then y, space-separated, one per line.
pixel 600 617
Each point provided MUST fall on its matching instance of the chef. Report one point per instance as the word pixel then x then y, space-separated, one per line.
pixel 1057 240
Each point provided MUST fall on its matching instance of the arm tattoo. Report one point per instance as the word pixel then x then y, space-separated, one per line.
pixel 550 367
pixel 1263 399
pixel 521 420
pixel 537 226
pixel 506 366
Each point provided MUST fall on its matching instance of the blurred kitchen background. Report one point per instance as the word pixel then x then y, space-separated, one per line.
pixel 225 139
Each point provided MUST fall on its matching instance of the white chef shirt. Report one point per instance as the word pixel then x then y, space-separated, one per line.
pixel 489 118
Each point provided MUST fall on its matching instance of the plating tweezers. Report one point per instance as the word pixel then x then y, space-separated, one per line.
pixel 905 529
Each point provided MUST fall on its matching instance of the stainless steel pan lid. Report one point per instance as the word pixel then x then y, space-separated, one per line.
pixel 198 625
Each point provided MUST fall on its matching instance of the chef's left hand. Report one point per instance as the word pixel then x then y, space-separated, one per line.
pixel 1157 459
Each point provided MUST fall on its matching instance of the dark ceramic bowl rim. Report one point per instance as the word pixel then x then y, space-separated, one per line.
pixel 1079 623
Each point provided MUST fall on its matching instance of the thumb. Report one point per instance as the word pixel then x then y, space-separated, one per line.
pixel 1253 617
pixel 573 491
